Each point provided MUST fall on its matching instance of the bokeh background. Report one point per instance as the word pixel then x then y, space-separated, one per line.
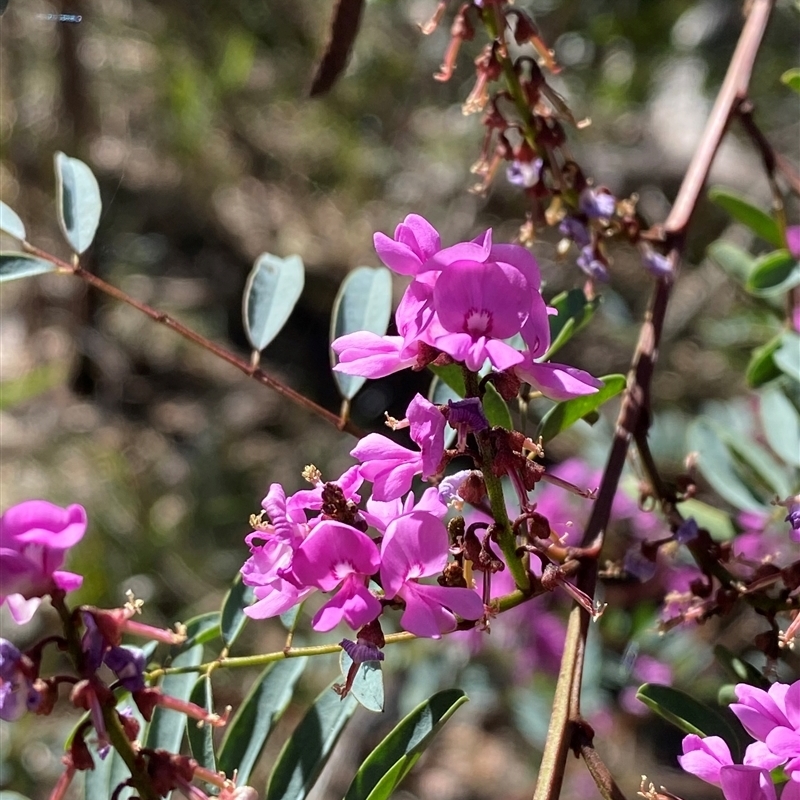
pixel 196 119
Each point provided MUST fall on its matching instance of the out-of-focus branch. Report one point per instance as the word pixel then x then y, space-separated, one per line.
pixel 634 414
pixel 226 355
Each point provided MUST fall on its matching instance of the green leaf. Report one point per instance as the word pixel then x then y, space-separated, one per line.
pixel 31 384
pixel 714 520
pixel 167 726
pixel 201 739
pixel 10 223
pixel 735 261
pixel 310 746
pixel 494 406
pixel 717 465
pixel 687 714
pixel 761 223
pixel 273 288
pixel 779 419
pixel 21 265
pixel 438 394
pixel 574 312
pixel 773 273
pixel 762 367
pixel 78 202
pixel 232 617
pixel 787 356
pixel 740 670
pixel 248 731
pixel 792 78
pixel 567 413
pixel 760 463
pixel 367 686
pixel 387 765
pixel 363 303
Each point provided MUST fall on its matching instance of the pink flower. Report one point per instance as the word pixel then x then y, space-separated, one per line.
pixel 415 241
pixel 34 538
pixel 705 757
pixel 389 466
pixel 427 430
pixel 336 554
pixel 415 546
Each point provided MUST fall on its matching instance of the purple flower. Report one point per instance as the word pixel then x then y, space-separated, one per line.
pixel 128 664
pixel 427 430
pixel 656 264
pixel 574 229
pixel 415 241
pixel 739 782
pixel 557 381
pixel 592 265
pixel 793 240
pixel 705 757
pixel 597 203
pixel 415 546
pixel 389 466
pixel 34 538
pixel 337 554
pixel 17 694
pixel 525 173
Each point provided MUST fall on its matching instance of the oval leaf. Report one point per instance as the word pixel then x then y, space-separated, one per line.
pixel 201 739
pixel 564 415
pixel 248 731
pixel 387 765
pixel 363 303
pixel 21 265
pixel 781 424
pixel 735 261
pixel 762 367
pixel 740 670
pixel 792 78
pixel 787 356
pixel 742 211
pixel 688 714
pixel 78 201
pixel 273 288
pixel 232 618
pixel 717 465
pixel 367 685
pixel 310 746
pixel 167 726
pixel 10 223
pixel 574 312
pixel 773 273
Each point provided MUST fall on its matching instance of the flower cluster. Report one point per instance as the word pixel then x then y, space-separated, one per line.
pixel 772 718
pixel 472 303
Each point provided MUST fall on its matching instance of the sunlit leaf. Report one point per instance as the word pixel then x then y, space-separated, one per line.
pixel 773 273
pixel 688 714
pixel 78 202
pixel 714 520
pixel 310 746
pixel 717 465
pixel 743 211
pixel 387 765
pixel 232 618
pixel 363 303
pixel 438 394
pixel 201 739
pixel 779 419
pixel 367 685
pixel 740 670
pixel 248 731
pixel 21 265
pixel 735 261
pixel 574 312
pixel 792 78
pixel 10 223
pixel 787 356
pixel 273 288
pixel 167 726
pixel 567 413
pixel 761 464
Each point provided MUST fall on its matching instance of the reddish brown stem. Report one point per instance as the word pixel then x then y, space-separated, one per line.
pixel 241 364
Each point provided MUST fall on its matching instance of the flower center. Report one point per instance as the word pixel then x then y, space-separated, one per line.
pixel 343 569
pixel 478 322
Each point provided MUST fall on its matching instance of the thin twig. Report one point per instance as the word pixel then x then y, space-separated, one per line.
pixel 241 364
pixel 635 407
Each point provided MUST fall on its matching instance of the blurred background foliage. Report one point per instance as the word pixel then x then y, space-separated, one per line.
pixel 195 118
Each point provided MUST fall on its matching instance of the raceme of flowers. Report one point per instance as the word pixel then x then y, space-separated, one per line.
pixel 472 303
pixel 772 718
